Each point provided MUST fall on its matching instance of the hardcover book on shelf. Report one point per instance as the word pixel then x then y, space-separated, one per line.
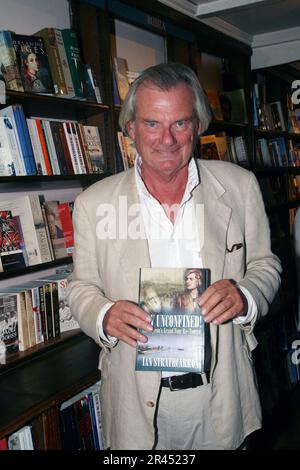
pixel 33 63
pixel 12 247
pixel 93 147
pixel 55 229
pixel 180 339
pixel 213 97
pixel 74 59
pixel 52 50
pixel 8 63
pixel 214 147
pixel 233 105
pixel 9 341
pixel 90 86
pixel 28 208
pixel 120 71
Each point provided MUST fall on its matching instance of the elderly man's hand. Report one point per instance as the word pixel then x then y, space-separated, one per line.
pixel 122 320
pixel 223 301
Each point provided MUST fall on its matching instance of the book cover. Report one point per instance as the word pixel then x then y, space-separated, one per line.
pixel 94 148
pixel 120 70
pixel 213 97
pixel 233 104
pixel 11 242
pixel 180 341
pixel 55 229
pixel 8 63
pixel 33 63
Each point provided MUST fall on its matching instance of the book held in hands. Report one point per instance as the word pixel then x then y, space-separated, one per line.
pixel 180 341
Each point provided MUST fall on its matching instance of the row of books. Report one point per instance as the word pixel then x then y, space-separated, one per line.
pixel 47 147
pixel 81 422
pixel 223 147
pixel 34 231
pixel 48 61
pixel 273 152
pixel 33 313
pixel 80 425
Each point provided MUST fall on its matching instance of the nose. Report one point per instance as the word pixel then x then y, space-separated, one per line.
pixel 167 136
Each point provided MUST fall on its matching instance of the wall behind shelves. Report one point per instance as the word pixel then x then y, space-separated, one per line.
pixel 28 16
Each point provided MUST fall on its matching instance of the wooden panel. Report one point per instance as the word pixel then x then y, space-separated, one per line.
pixel 33 386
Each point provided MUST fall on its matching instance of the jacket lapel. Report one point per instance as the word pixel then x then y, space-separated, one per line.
pixel 216 221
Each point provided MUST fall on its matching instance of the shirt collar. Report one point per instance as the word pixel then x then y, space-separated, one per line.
pixel 192 182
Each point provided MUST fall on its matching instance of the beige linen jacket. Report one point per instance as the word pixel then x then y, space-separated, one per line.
pixel 108 270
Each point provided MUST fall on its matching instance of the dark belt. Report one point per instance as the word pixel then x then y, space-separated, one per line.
pixel 180 382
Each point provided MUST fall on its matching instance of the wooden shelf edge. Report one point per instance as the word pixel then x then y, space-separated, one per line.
pixel 53 401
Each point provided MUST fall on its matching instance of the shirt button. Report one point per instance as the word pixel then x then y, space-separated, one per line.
pixel 151 404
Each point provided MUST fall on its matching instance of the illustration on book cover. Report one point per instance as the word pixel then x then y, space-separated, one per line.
pixel 180 339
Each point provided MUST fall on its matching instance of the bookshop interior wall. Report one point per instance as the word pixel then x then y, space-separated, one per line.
pixel 64 79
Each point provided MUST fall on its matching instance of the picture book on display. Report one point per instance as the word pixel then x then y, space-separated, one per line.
pixel 33 63
pixel 180 341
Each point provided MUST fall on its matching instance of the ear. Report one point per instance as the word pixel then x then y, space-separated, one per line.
pixel 130 128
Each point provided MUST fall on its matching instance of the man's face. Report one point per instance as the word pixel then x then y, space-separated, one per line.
pixel 153 301
pixel 192 281
pixel 165 128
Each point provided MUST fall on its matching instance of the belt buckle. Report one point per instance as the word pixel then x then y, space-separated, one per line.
pixel 171 386
pixel 204 378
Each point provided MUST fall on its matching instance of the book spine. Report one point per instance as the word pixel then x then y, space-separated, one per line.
pixel 84 147
pixel 47 164
pixel 48 34
pixel 30 318
pixel 64 62
pixel 82 166
pixel 61 157
pixel 71 147
pixel 43 312
pixel 37 315
pixel 36 146
pixel 50 147
pixel 40 228
pixel 55 308
pixel 23 331
pixel 25 140
pixel 48 310
pixel 65 148
pixel 74 59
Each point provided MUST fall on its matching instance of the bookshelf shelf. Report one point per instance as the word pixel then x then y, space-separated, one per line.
pixel 228 124
pixel 17 359
pixel 269 133
pixel 35 268
pixel 16 96
pixel 84 178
